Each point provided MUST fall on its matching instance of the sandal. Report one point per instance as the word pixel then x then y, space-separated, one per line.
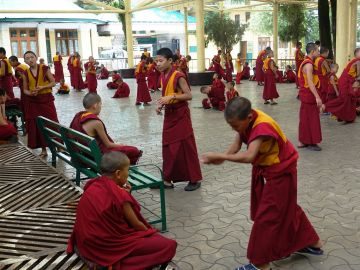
pixel 311 251
pixel 249 266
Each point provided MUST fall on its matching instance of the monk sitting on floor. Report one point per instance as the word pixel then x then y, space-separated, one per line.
pixel 63 88
pixel 231 91
pixel 123 90
pixel 280 226
pixel 333 87
pixel 109 230
pixel 215 93
pixel 104 73
pixel 89 123
pixel 289 76
pixel 114 84
pixel 7 131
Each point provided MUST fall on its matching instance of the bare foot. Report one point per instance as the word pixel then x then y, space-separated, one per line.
pixel 318 244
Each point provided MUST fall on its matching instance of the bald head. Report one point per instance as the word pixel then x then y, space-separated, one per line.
pixel 310 47
pixel 91 99
pixel 113 161
pixel 357 52
pixel 238 108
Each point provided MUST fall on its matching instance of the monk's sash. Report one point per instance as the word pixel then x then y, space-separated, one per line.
pixel 169 84
pixel 305 94
pixel 39 80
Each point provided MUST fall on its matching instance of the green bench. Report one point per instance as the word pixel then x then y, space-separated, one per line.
pixel 83 153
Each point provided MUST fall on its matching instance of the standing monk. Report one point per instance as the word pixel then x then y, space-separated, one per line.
pixel 270 75
pixel 239 67
pixel 90 68
pixel 216 61
pixel 322 69
pixel 70 68
pixel 153 75
pixel 280 225
pixel 259 66
pixel 20 74
pixel 142 94
pixel 180 158
pixel 6 74
pixel 299 57
pixel 309 124
pixel 59 71
pixel 77 72
pixel 39 100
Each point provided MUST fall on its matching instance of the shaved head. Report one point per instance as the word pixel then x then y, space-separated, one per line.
pixel 90 99
pixel 311 46
pixel 238 108
pixel 113 161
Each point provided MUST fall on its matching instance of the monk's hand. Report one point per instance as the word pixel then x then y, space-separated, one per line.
pixel 318 102
pixel 164 100
pixel 158 110
pixel 127 187
pixel 211 158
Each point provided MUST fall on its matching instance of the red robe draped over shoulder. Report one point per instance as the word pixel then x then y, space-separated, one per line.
pixel 6 80
pixel 153 76
pixel 142 94
pixel 309 124
pixel 82 117
pixel 290 76
pixel 323 77
pixel 230 94
pixel 91 77
pixel 217 66
pixel 270 91
pixel 115 82
pixel 122 91
pixel 7 131
pixel 280 225
pixel 259 66
pixel 59 71
pixel 71 70
pixel 77 74
pixel 245 74
pixel 102 236
pixel 180 156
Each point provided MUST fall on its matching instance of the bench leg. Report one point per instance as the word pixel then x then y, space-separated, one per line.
pixel 77 179
pixel 163 208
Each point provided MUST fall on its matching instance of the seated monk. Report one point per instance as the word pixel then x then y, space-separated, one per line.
pixel 114 84
pixel 245 73
pixel 104 73
pixel 63 88
pixel 215 93
pixel 231 91
pixel 123 90
pixel 109 230
pixel 8 132
pixel 89 123
pixel 289 76
pixel 253 77
pixel 280 76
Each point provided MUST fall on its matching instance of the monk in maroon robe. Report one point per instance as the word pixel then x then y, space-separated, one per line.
pixel 8 132
pixel 104 73
pixel 123 90
pixel 109 229
pixel 114 84
pixel 245 73
pixel 59 70
pixel 142 95
pixel 309 122
pixel 180 158
pixel 77 73
pixel 215 93
pixel 6 74
pixel 259 65
pixel 70 68
pixel 333 87
pixel 270 76
pixel 90 68
pixel 20 74
pixel 299 58
pixel 289 76
pixel 280 225
pixel 216 61
pixel 89 123
pixel 322 69
pixel 152 75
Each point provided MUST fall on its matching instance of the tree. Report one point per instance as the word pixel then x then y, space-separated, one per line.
pixel 222 30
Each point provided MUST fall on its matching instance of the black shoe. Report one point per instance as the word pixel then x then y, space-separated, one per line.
pixel 314 147
pixel 267 102
pixel 192 186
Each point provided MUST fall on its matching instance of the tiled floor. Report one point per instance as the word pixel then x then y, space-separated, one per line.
pixel 212 224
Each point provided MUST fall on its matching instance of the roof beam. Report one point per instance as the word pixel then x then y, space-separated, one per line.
pixel 245 6
pixel 95 11
pixel 144 3
pixel 98 4
pixel 162 4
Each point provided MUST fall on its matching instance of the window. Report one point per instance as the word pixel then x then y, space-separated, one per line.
pixel 237 19
pixel 67 41
pixel 142 32
pixel 22 40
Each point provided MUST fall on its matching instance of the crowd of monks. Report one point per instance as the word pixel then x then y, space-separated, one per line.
pixel 109 230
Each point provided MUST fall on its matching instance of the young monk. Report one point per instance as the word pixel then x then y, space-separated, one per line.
pixel 63 89
pixel 333 88
pixel 309 124
pixel 114 84
pixel 239 68
pixel 180 158
pixel 104 73
pixel 280 225
pixel 216 61
pixel 245 74
pixel 215 99
pixel 109 230
pixel 142 95
pixel 183 66
pixel 8 132
pixel 228 66
pixel 299 58
pixel 322 69
pixel 39 101
pixel 20 73
pixel 123 90
pixel 153 75
pixel 77 72
pixel 90 68
pixel 231 92
pixel 259 65
pixel 59 71
pixel 270 75
pixel 289 76
pixel 146 53
pixel 89 123
pixel 6 74
pixel 70 68
pixel 350 73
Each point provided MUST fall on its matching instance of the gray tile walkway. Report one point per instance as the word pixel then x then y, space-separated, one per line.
pixel 212 224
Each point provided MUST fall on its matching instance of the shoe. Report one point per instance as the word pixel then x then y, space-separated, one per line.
pixel 311 251
pixel 138 103
pixel 147 104
pixel 273 103
pixel 249 266
pixel 192 186
pixel 302 146
pixel 314 147
pixel 267 102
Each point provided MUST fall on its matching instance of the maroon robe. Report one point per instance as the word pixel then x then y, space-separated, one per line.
pixel 82 117
pixel 180 157
pixel 6 81
pixel 216 96
pixel 123 91
pixel 331 93
pixel 280 225
pixel 7 131
pixel 290 76
pixel 71 70
pixel 104 74
pixel 245 73
pixel 309 124
pixel 77 75
pixel 20 71
pixel 217 66
pixel 59 71
pixel 91 77
pixel 270 91
pixel 228 74
pixel 103 237
pixel 153 77
pixel 114 83
pixel 344 106
pixel 142 94
pixel 323 77
pixel 259 67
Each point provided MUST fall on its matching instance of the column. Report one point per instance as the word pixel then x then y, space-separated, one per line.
pixel 129 36
pixel 84 41
pixel 42 41
pixel 94 42
pixel 5 38
pixel 200 35
pixel 52 42
pixel 353 27
pixel 342 37
pixel 275 30
pixel 186 30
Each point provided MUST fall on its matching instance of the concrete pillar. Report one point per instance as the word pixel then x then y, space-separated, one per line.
pixel 352 27
pixel 186 30
pixel 343 33
pixel 129 36
pixel 200 38
pixel 5 38
pixel 42 41
pixel 94 42
pixel 84 41
pixel 275 30
pixel 52 42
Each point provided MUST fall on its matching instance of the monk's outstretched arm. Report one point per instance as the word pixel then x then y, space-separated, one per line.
pixel 235 146
pixel 132 219
pixel 308 68
pixel 332 81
